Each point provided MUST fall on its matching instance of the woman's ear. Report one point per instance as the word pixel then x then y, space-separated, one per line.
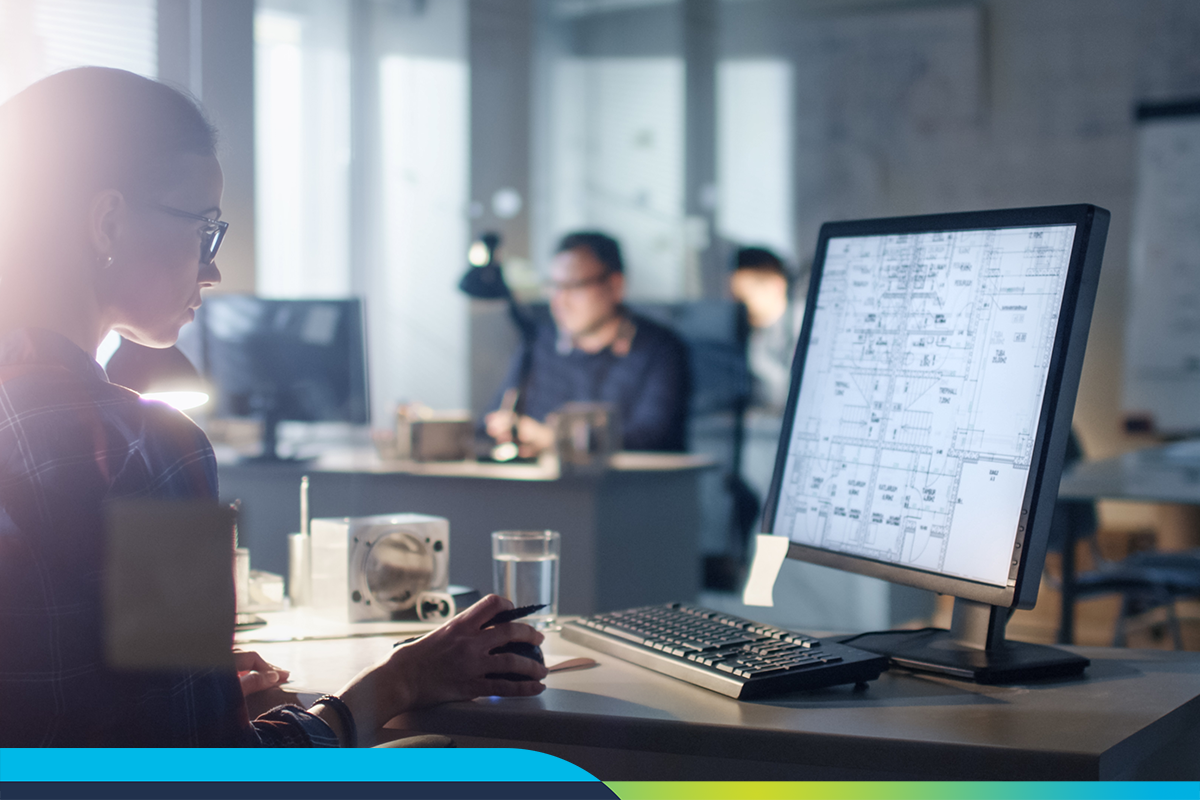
pixel 106 224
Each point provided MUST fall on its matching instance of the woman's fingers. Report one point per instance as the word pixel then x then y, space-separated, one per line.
pixel 491 638
pixel 255 673
pixel 511 663
pixel 481 612
pixel 255 681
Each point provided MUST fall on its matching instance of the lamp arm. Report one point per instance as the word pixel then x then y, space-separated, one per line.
pixel 527 328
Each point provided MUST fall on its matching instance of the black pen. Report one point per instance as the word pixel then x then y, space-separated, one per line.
pixel 501 618
pixel 511 614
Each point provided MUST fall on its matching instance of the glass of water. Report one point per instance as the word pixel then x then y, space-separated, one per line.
pixel 525 570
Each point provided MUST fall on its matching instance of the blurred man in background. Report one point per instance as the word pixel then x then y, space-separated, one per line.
pixel 763 284
pixel 596 351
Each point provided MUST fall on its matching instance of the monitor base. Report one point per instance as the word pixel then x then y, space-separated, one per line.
pixel 276 460
pixel 270 445
pixel 939 651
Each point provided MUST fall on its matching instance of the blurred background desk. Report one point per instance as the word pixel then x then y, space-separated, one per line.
pixel 1136 714
pixel 1145 580
pixel 619 527
pixel 1166 474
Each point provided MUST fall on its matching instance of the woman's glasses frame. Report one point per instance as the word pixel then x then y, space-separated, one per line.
pixel 211 235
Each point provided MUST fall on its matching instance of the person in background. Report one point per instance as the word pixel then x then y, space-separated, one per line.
pixel 762 283
pixel 597 350
pixel 110 194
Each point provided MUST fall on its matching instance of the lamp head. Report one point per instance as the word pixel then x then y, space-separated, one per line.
pixel 484 280
pixel 155 374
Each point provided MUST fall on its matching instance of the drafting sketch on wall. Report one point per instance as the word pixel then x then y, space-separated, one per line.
pixel 613 161
pixel 1162 336
pixel 858 137
pixel 921 394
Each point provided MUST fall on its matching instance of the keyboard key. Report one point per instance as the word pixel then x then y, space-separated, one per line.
pixel 615 631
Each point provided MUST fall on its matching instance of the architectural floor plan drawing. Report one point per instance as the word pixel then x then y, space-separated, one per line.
pixel 920 397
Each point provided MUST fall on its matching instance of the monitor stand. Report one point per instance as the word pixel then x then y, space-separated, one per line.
pixel 973 648
pixel 270 445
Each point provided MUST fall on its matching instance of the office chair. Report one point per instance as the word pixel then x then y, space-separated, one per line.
pixel 717 333
pixel 1145 581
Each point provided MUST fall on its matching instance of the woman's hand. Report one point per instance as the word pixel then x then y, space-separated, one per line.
pixel 256 674
pixel 450 663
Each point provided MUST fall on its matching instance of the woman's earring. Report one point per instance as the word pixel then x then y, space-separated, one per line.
pixel 106 262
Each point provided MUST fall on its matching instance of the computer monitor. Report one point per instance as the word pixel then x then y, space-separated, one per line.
pixel 281 360
pixel 932 393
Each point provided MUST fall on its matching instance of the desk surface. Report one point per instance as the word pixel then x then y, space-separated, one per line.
pixel 1135 715
pixel 1169 474
pixel 366 460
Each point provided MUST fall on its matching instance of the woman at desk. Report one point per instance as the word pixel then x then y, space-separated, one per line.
pixel 110 196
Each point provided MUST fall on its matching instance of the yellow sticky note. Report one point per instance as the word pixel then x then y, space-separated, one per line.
pixel 769 552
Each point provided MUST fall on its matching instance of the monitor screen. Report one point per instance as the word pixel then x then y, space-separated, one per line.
pixel 277 360
pixel 935 355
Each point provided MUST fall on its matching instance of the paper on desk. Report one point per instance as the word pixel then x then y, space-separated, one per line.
pixel 769 552
pixel 304 624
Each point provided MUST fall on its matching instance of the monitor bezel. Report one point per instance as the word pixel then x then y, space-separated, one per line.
pixel 1058 402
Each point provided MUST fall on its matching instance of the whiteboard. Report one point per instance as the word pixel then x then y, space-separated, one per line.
pixel 1162 334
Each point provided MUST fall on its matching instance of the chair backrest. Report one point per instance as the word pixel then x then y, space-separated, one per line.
pixel 716 333
pixel 1075 519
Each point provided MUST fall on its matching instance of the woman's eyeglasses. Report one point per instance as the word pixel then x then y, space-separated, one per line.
pixel 211 234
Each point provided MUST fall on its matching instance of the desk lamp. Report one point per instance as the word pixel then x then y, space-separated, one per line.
pixel 484 280
pixel 157 374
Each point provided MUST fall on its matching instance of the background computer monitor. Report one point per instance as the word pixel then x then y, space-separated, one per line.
pixel 281 360
pixel 932 393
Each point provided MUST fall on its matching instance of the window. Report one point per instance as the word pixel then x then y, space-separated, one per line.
pixel 302 152
pixel 615 163
pixel 754 153
pixel 362 155
pixel 41 37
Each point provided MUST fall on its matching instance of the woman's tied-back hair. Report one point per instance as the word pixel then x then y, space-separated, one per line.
pixel 85 130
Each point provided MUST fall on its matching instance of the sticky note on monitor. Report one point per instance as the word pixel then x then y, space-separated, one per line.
pixel 769 553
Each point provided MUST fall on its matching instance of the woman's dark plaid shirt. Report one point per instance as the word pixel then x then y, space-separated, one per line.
pixel 70 442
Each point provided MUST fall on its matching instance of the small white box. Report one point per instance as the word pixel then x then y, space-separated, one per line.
pixel 373 568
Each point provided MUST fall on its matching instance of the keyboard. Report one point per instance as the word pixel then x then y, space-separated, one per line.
pixel 722 652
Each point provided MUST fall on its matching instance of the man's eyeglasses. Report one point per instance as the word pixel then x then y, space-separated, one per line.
pixel 211 234
pixel 552 287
